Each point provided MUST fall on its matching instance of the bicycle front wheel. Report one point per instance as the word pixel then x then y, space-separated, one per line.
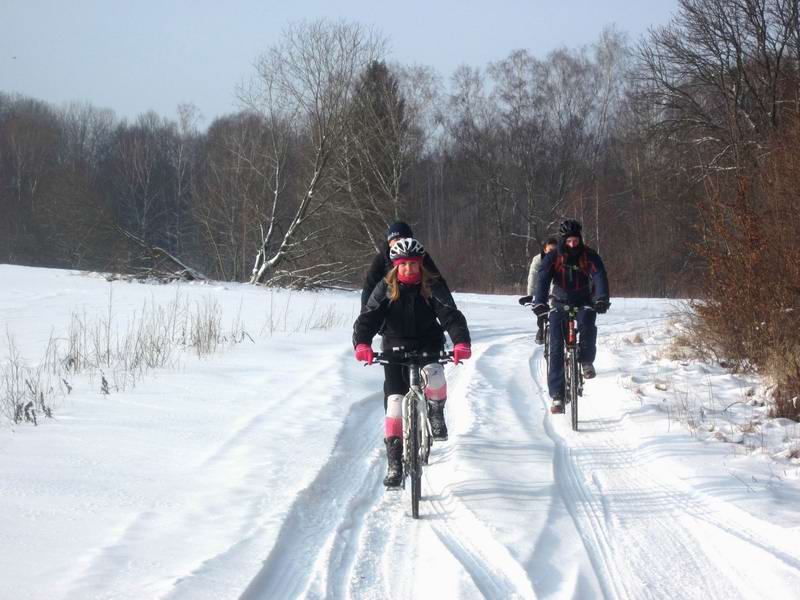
pixel 547 344
pixel 415 469
pixel 425 441
pixel 572 387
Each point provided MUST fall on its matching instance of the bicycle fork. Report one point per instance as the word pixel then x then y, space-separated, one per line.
pixel 572 349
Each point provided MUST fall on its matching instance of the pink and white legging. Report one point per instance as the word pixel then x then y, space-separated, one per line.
pixel 435 391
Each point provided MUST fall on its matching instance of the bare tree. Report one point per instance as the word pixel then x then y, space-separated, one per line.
pixel 378 151
pixel 181 155
pixel 719 74
pixel 306 83
pixel 244 178
pixel 139 156
pixel 525 128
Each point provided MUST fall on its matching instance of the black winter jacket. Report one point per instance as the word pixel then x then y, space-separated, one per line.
pixel 381 265
pixel 577 279
pixel 411 321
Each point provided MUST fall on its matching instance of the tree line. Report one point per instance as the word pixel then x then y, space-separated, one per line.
pixel 331 144
pixel 676 151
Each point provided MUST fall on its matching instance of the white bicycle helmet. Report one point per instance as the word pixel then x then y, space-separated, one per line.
pixel 406 248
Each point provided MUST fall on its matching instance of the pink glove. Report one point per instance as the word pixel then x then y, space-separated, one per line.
pixel 364 353
pixel 461 352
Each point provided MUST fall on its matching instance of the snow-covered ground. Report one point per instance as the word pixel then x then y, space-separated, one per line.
pixel 255 472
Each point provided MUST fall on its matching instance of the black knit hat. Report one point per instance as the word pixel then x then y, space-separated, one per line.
pixel 570 228
pixel 398 230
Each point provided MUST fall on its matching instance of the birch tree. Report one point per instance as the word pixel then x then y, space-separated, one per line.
pixel 306 85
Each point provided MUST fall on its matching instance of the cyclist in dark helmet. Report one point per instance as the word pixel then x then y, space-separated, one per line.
pixel 411 308
pixel 382 263
pixel 578 278
pixel 548 246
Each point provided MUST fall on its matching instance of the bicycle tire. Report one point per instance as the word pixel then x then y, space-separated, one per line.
pixel 425 441
pixel 414 468
pixel 572 388
pixel 547 344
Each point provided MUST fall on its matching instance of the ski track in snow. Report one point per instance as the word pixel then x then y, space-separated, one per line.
pixel 642 529
pixel 347 537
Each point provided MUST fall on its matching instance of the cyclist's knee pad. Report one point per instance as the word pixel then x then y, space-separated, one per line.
pixel 394 406
pixel 436 384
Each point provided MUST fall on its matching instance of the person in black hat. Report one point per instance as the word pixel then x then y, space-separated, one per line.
pixel 578 278
pixel 382 264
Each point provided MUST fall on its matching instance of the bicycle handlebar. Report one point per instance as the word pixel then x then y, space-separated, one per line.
pixel 400 356
pixel 565 306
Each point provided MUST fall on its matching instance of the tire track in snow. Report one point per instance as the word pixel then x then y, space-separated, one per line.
pixel 327 513
pixel 341 536
pixel 681 500
pixel 523 397
pixel 635 560
pixel 607 575
pixel 391 544
pixel 638 522
pixel 490 564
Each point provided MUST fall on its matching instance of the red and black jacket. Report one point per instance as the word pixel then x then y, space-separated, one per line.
pixel 578 279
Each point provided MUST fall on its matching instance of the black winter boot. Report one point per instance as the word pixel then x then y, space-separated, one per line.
pixel 394 459
pixel 436 417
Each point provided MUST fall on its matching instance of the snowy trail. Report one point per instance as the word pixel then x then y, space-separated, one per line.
pixel 256 473
pixel 645 529
pixel 516 505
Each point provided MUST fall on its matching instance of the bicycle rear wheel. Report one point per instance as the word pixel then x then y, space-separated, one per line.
pixel 572 387
pixel 415 469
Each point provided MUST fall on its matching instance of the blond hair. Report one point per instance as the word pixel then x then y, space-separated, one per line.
pixel 393 283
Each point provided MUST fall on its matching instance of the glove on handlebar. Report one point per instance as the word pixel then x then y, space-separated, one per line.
pixel 601 306
pixel 365 354
pixel 540 309
pixel 461 352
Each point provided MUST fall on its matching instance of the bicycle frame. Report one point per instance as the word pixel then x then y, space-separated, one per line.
pixel 415 396
pixel 416 428
pixel 573 376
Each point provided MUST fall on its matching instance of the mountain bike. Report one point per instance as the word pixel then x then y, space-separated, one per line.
pixel 417 438
pixel 573 375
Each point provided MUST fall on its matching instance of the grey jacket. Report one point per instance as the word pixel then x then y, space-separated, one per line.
pixel 537 260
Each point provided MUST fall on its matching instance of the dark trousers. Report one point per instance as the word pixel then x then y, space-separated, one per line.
pixel 587 341
pixel 396 376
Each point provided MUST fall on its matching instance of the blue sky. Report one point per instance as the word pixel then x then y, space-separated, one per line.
pixel 134 56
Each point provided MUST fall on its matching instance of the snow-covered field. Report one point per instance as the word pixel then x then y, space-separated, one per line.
pixel 255 472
